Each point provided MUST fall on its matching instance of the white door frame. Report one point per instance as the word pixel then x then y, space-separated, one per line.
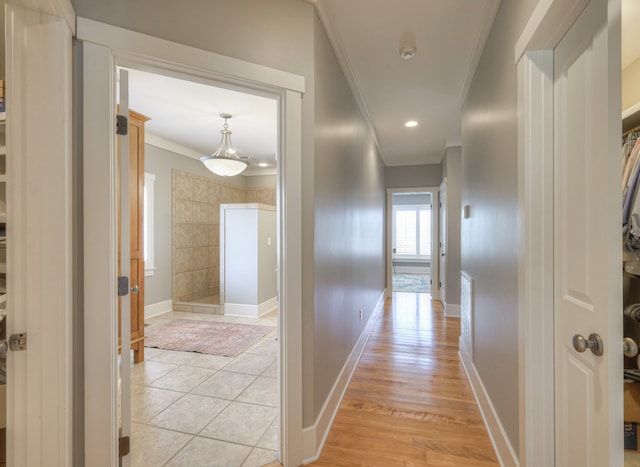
pixel 435 212
pixel 533 52
pixel 106 47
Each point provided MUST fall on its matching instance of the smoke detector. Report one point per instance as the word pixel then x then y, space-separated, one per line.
pixel 407 53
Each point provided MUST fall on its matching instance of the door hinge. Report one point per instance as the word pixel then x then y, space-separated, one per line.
pixel 18 341
pixel 122 125
pixel 124 446
pixel 439 285
pixel 123 286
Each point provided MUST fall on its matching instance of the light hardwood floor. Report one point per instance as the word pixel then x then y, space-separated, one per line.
pixel 409 402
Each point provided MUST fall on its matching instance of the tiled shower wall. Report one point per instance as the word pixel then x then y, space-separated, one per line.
pixel 196 231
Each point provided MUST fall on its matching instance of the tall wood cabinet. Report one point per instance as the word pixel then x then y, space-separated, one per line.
pixel 136 208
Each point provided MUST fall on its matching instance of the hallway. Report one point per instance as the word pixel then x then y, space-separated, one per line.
pixel 409 402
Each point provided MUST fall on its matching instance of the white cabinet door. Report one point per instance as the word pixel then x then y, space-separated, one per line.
pixel 587 243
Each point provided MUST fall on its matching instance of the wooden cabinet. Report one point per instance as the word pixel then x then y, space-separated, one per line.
pixel 136 208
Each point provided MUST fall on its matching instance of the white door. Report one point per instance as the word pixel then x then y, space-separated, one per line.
pixel 442 242
pixel 587 244
pixel 125 261
pixel 38 236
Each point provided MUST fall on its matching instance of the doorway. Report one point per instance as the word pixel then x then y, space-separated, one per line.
pixel 412 226
pixel 172 59
pixel 214 395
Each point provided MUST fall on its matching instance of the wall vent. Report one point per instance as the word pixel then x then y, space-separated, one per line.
pixel 466 318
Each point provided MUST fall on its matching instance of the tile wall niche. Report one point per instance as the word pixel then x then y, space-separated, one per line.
pixel 196 231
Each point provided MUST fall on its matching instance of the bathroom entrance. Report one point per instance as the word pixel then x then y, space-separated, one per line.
pixel 207 386
pixel 159 57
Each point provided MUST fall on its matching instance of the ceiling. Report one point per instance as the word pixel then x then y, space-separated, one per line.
pixel 185 118
pixel 367 35
pixel 448 35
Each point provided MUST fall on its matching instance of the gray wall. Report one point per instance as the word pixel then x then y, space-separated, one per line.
pixel 489 186
pixel 452 170
pixel 267 255
pixel 349 222
pixel 413 176
pixel 286 35
pixel 160 162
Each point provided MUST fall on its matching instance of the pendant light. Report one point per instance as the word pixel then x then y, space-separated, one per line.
pixel 225 160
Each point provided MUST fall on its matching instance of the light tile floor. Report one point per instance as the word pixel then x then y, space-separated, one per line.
pixel 191 409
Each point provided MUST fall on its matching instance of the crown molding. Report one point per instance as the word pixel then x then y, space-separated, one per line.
pixel 338 48
pixel 483 34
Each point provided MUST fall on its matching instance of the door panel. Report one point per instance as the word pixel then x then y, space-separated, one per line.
pixel 442 250
pixel 587 252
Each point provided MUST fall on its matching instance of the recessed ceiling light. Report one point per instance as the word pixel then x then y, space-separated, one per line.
pixel 411 123
pixel 263 164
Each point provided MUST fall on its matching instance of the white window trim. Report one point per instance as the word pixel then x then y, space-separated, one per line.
pixel 149 261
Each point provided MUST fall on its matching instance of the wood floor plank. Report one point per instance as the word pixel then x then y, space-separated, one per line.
pixel 409 402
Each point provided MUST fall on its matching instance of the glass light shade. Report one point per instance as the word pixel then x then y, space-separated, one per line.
pixel 225 161
pixel 224 166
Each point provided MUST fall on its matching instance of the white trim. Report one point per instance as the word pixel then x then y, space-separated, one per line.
pixel 452 311
pixel 100 304
pixel 149 213
pixel 132 47
pixel 40 229
pixel 156 309
pixel 535 259
pixel 343 60
pixel 435 218
pixel 250 311
pixel 137 50
pixel 631 110
pixel 547 24
pixel 413 270
pixel 61 8
pixel 289 204
pixel 488 16
pixel 501 444
pixel 314 437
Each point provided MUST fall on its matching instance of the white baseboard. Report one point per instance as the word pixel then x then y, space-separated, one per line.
pixel 250 311
pixel 156 309
pixel 412 270
pixel 504 451
pixel 452 311
pixel 313 437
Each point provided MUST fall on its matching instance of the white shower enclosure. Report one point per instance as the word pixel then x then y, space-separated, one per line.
pixel 248 259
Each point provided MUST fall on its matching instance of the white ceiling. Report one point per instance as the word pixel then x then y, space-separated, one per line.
pixel 449 36
pixel 185 118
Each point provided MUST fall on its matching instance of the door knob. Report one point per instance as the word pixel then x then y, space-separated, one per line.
pixel 629 347
pixel 134 289
pixel 594 343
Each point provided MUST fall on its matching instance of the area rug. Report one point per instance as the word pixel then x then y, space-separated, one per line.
pixel 411 283
pixel 188 335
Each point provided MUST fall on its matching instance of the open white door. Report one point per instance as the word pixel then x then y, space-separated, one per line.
pixel 39 237
pixel 442 243
pixel 125 273
pixel 587 245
